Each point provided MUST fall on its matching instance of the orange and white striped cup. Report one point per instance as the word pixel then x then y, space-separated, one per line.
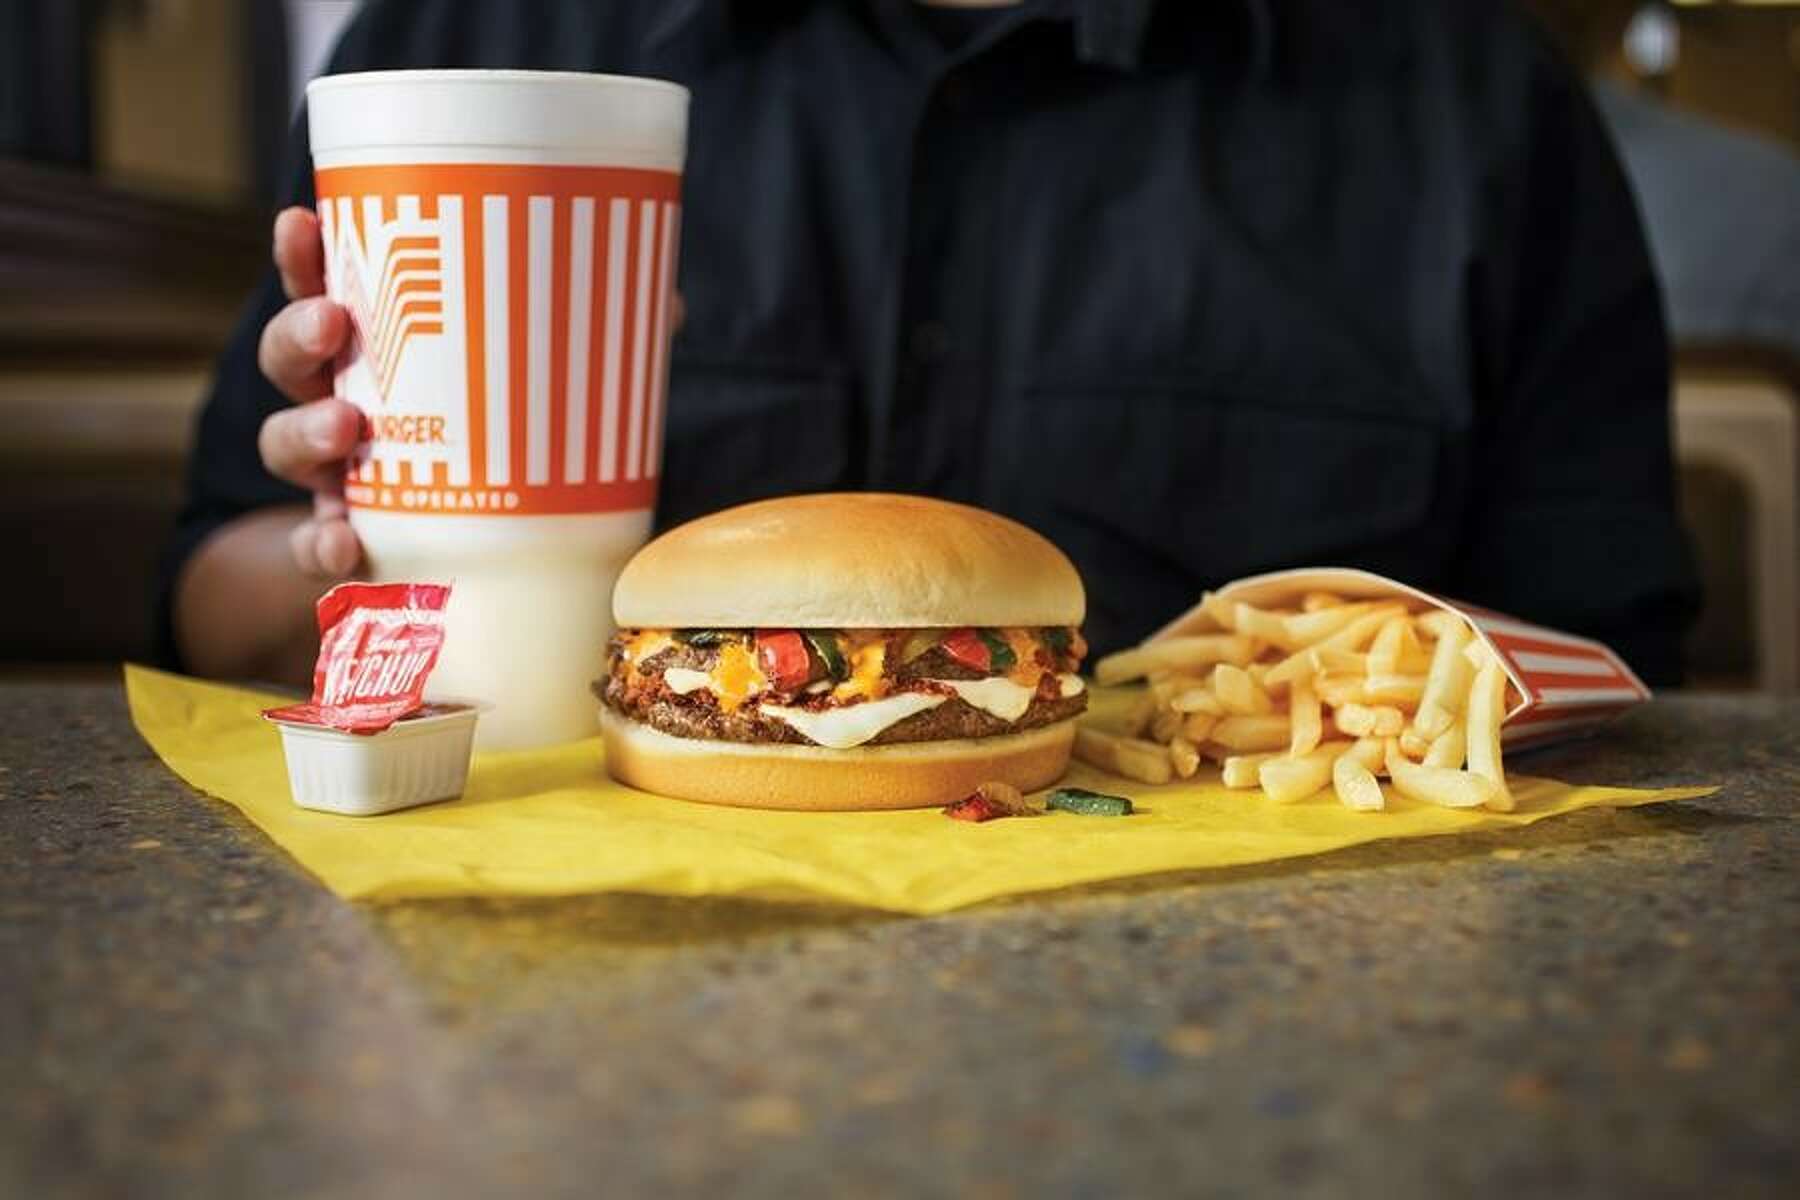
pixel 505 242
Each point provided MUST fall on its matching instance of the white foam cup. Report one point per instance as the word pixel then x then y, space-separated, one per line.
pixel 506 244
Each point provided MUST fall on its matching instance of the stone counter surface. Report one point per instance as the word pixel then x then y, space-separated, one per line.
pixel 1603 1004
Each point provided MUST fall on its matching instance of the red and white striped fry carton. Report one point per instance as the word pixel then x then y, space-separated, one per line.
pixel 1568 685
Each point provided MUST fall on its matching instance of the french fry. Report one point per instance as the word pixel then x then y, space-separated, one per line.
pixel 1139 715
pixel 1397 650
pixel 1143 761
pixel 1303 715
pixel 1222 611
pixel 1352 636
pixel 1287 778
pixel 1197 700
pixel 1314 601
pixel 1435 622
pixel 1355 785
pixel 1197 727
pixel 1165 725
pixel 1341 662
pixel 1357 720
pixel 1384 651
pixel 1477 654
pixel 1309 629
pixel 1436 785
pixel 1393 689
pixel 1172 654
pixel 1414 744
pixel 1184 756
pixel 1239 770
pixel 1258 623
pixel 1339 690
pixel 1487 706
pixel 1356 634
pixel 1238 693
pixel 1371 753
pixel 1364 720
pixel 1166 685
pixel 1448 748
pixel 1248 735
pixel 1446 683
pixel 1414 658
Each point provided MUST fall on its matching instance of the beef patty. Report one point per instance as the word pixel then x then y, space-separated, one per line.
pixel 697 715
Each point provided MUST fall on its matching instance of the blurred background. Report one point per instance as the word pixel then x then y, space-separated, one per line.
pixel 140 158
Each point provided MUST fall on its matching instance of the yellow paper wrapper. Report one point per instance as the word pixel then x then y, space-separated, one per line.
pixel 550 822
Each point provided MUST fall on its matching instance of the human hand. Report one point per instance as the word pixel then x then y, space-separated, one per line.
pixel 307 444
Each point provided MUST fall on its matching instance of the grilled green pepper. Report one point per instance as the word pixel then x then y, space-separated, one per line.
pixel 706 639
pixel 830 655
pixel 1000 651
pixel 1089 804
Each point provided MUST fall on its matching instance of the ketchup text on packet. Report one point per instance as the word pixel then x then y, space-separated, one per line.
pixel 377 645
pixel 373 675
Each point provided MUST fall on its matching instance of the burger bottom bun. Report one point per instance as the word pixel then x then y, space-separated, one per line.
pixel 817 779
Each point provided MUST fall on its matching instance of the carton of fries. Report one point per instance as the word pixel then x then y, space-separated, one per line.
pixel 1332 678
pixel 1563 685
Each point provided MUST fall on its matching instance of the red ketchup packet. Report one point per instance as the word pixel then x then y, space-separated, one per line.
pixel 377 645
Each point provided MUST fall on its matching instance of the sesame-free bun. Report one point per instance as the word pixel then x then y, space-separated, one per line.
pixel 848 560
pixel 817 779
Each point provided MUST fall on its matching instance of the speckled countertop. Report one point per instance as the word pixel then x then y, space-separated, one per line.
pixel 1604 1004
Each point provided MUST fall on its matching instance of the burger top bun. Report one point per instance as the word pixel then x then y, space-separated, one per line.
pixel 848 560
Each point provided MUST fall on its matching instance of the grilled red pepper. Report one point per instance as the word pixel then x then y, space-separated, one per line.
pixel 781 653
pixel 969 649
pixel 974 807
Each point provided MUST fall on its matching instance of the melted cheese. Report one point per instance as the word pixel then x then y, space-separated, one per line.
pixel 681 680
pixel 852 725
pixel 736 677
pixel 867 662
pixel 1025 669
pixel 997 696
pixel 1070 685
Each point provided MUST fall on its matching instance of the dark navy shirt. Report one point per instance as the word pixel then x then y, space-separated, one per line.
pixel 1196 288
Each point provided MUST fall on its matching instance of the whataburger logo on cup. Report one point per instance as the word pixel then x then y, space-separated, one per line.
pixel 511 328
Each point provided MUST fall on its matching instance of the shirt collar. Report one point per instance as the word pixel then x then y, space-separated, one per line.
pixel 1108 33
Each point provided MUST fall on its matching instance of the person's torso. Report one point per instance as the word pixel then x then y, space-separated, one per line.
pixel 1191 319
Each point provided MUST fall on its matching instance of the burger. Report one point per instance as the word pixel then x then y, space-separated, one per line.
pixel 843 651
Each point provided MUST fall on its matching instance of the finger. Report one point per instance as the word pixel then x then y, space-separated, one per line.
pixel 299 253
pixel 336 546
pixel 330 506
pixel 307 445
pixel 297 344
pixel 303 541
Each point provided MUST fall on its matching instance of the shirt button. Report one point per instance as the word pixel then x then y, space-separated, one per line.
pixel 930 342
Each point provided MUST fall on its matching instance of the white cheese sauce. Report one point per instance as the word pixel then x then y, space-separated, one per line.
pixel 854 724
pixel 998 697
pixel 681 681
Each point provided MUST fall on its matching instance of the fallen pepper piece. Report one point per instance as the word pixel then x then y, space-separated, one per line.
pixel 993 800
pixel 1089 804
pixel 974 807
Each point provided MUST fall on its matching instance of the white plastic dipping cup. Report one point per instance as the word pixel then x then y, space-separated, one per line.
pixel 505 242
